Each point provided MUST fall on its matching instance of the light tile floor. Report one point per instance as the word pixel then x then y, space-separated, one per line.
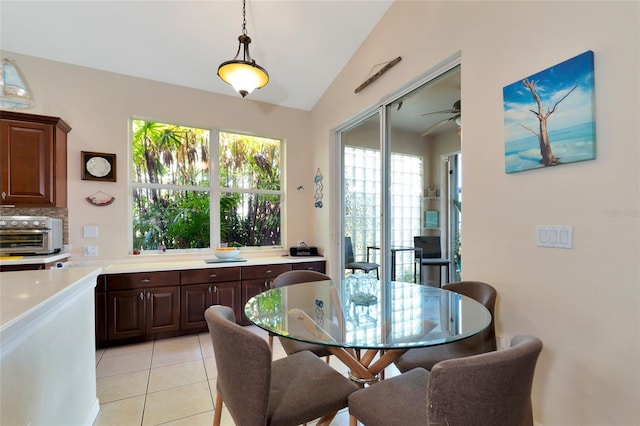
pixel 168 382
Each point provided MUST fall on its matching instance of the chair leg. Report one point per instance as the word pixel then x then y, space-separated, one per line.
pixel 326 419
pixel 217 413
pixel 271 340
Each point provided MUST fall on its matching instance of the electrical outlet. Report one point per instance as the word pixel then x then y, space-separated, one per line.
pixel 90 251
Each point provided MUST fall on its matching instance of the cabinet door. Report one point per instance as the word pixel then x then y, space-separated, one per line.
pixel 27 163
pixel 249 289
pixel 126 314
pixel 195 299
pixel 163 309
pixel 101 319
pixel 228 294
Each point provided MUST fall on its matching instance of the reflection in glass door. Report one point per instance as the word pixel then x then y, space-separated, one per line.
pixel 392 177
pixel 361 166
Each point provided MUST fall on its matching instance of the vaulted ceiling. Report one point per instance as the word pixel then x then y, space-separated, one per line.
pixel 302 44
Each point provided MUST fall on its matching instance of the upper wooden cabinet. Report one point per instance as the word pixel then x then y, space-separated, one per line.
pixel 33 160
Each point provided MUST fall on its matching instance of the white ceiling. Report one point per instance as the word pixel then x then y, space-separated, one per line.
pixel 303 44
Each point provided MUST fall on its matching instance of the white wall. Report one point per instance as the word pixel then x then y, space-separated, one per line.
pixel 584 302
pixel 97 105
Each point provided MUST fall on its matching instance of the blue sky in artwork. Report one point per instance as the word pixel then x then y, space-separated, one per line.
pixel 552 84
pixel 571 127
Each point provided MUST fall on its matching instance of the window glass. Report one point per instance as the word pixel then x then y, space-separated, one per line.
pixel 173 192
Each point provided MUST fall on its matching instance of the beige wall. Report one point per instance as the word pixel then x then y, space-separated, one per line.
pixel 584 302
pixel 97 105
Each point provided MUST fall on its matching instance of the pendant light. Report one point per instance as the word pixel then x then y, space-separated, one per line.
pixel 14 90
pixel 243 74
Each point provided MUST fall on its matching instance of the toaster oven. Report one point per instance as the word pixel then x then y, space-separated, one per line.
pixel 30 235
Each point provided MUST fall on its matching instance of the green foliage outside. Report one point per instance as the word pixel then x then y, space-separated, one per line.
pixel 172 194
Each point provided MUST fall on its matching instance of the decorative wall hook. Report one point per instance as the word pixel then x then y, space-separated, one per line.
pixel 377 75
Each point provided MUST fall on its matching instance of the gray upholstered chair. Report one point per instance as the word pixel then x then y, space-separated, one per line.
pixel 350 261
pixel 485 341
pixel 291 346
pixel 256 391
pixel 493 388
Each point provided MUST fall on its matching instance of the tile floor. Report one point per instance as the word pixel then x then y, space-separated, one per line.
pixel 168 382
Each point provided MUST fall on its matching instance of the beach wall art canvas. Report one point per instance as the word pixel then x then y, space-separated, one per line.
pixel 549 117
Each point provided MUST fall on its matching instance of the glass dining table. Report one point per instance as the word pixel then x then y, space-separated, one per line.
pixel 367 323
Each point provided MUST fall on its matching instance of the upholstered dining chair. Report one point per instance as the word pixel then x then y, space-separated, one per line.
pixel 256 391
pixel 291 346
pixel 350 261
pixel 485 341
pixel 493 388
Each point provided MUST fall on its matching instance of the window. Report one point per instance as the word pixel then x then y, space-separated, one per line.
pixel 362 203
pixel 175 185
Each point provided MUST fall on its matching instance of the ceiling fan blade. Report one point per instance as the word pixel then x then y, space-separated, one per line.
pixel 444 111
pixel 436 126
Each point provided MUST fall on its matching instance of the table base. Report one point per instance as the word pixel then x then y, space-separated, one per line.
pixel 361 370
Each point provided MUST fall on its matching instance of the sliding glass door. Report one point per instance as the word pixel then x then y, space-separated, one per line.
pixel 392 177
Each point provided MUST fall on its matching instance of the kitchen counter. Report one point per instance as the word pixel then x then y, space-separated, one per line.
pixel 47 347
pixel 157 263
pixel 33 260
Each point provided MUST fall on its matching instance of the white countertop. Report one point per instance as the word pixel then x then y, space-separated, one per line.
pixel 24 292
pixel 157 264
pixel 33 260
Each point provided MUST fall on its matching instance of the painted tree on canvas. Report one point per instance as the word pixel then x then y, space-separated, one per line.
pixel 548 159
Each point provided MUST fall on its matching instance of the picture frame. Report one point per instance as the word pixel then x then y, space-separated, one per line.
pixel 98 166
pixel 549 116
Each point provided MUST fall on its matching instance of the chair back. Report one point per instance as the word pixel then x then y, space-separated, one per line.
pixel 297 277
pixel 481 292
pixel 348 251
pixel 430 246
pixel 243 360
pixel 487 389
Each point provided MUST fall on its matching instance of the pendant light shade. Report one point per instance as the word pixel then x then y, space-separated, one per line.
pixel 244 75
pixel 14 90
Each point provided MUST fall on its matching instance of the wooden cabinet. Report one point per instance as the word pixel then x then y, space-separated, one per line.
pixel 101 311
pixel 201 288
pixel 255 280
pixel 146 305
pixel 310 266
pixel 33 160
pixel 142 304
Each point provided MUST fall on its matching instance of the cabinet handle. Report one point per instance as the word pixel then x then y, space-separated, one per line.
pixel 215 288
pixel 4 195
pixel 145 280
pixel 310 268
pixel 209 289
pixel 268 271
pixel 148 295
pixel 212 276
pixel 142 295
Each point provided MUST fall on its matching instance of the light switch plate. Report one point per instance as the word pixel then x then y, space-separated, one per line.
pixel 90 231
pixel 554 236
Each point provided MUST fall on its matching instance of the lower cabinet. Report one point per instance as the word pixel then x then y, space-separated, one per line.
pixel 140 312
pixel 255 280
pixel 147 305
pixel 219 286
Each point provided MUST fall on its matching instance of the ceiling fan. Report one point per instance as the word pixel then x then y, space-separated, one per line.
pixel 456 118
